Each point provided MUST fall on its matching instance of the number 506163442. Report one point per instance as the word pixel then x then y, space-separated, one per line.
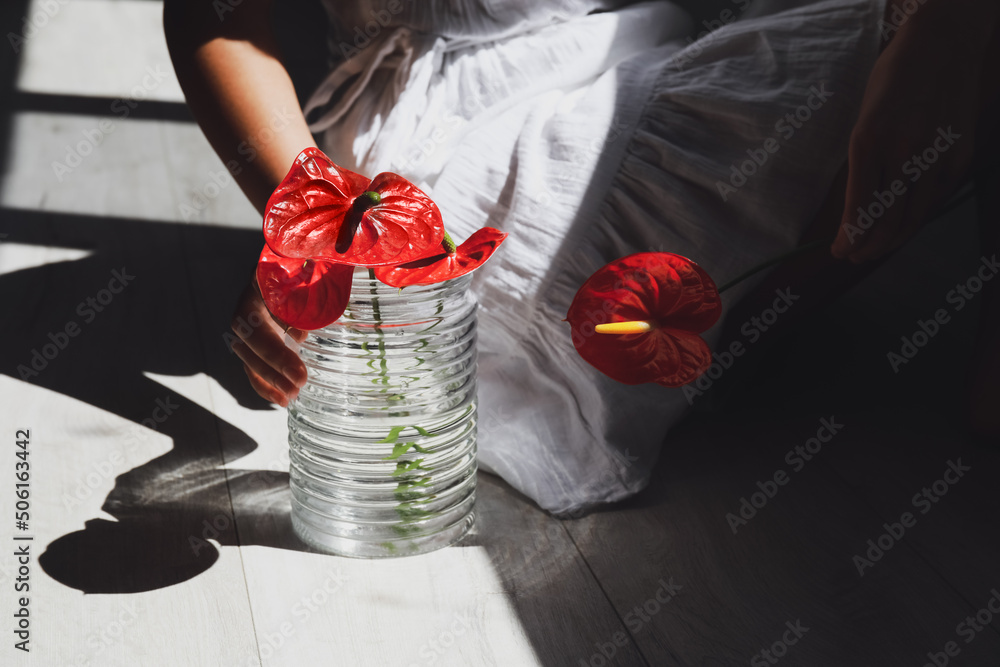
pixel 22 472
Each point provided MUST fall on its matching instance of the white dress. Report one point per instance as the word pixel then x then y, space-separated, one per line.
pixel 590 130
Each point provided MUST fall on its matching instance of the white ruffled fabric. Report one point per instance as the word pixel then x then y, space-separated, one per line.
pixel 590 131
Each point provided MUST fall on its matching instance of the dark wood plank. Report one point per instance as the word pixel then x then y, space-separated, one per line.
pixel 791 561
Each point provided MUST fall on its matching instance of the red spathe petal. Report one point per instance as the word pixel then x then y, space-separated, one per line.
pixel 670 290
pixel 311 215
pixel 306 294
pixel 437 268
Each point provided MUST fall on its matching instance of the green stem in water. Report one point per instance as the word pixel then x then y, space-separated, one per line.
pixel 379 334
pixel 408 494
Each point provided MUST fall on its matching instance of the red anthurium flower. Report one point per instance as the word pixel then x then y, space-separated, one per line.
pixel 452 262
pixel 306 294
pixel 659 302
pixel 322 211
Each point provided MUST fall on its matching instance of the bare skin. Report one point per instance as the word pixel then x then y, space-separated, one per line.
pixel 920 84
pixel 236 86
pixel 235 83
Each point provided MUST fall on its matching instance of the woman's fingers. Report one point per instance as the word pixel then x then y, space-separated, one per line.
pixel 298 335
pixel 904 157
pixel 275 371
pixel 880 215
pixel 262 370
pixel 264 337
pixel 266 391
pixel 908 213
pixel 864 173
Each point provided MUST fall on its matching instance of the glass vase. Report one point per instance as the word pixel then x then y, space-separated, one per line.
pixel 382 436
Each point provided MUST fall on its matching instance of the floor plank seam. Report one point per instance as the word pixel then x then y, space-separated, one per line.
pixel 222 454
pixel 973 607
pixel 600 585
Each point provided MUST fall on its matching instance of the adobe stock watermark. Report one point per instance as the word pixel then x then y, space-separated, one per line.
pixel 779 649
pixel 969 629
pixel 242 328
pixel 163 410
pixel 109 466
pixel 363 35
pixel 114 632
pixel 752 329
pixel 211 529
pixel 276 469
pixel 915 168
pixel 30 25
pixel 248 149
pixel 607 476
pixel 490 420
pixel 617 129
pixel 269 642
pixel 797 457
pixel 927 329
pixel 100 471
pixel 88 310
pixel 95 136
pixel 923 500
pixel 901 13
pixel 437 646
pixel 224 7
pixel 472 103
pixel 486 95
pixel 634 620
pixel 697 44
pixel 786 127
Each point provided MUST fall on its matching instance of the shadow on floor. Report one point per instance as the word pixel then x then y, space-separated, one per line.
pixel 75 335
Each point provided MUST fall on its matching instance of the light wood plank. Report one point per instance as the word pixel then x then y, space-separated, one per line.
pixel 77 451
pixel 96 47
pixel 146 489
pixel 136 169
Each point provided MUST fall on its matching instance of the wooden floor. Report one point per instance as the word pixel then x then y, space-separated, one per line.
pixel 159 498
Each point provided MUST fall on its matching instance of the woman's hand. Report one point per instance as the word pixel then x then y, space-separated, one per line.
pixel 275 371
pixel 914 139
pixel 244 101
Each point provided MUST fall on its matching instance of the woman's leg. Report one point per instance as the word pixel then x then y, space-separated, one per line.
pixel 984 385
pixel 818 278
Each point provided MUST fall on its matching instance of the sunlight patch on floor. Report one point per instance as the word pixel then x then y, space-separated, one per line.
pixel 20 256
pixel 98 48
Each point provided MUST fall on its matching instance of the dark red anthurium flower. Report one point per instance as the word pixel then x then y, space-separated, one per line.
pixel 306 294
pixel 324 212
pixel 666 299
pixel 453 261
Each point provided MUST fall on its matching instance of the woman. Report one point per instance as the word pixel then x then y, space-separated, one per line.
pixel 590 129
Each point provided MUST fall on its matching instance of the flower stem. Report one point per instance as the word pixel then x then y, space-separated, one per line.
pixel 412 475
pixel 774 260
pixel 954 202
pixel 379 334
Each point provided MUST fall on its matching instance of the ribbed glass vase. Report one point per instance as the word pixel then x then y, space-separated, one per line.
pixel 382 436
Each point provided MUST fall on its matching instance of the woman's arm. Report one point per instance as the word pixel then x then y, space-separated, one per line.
pixel 232 76
pixel 915 137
